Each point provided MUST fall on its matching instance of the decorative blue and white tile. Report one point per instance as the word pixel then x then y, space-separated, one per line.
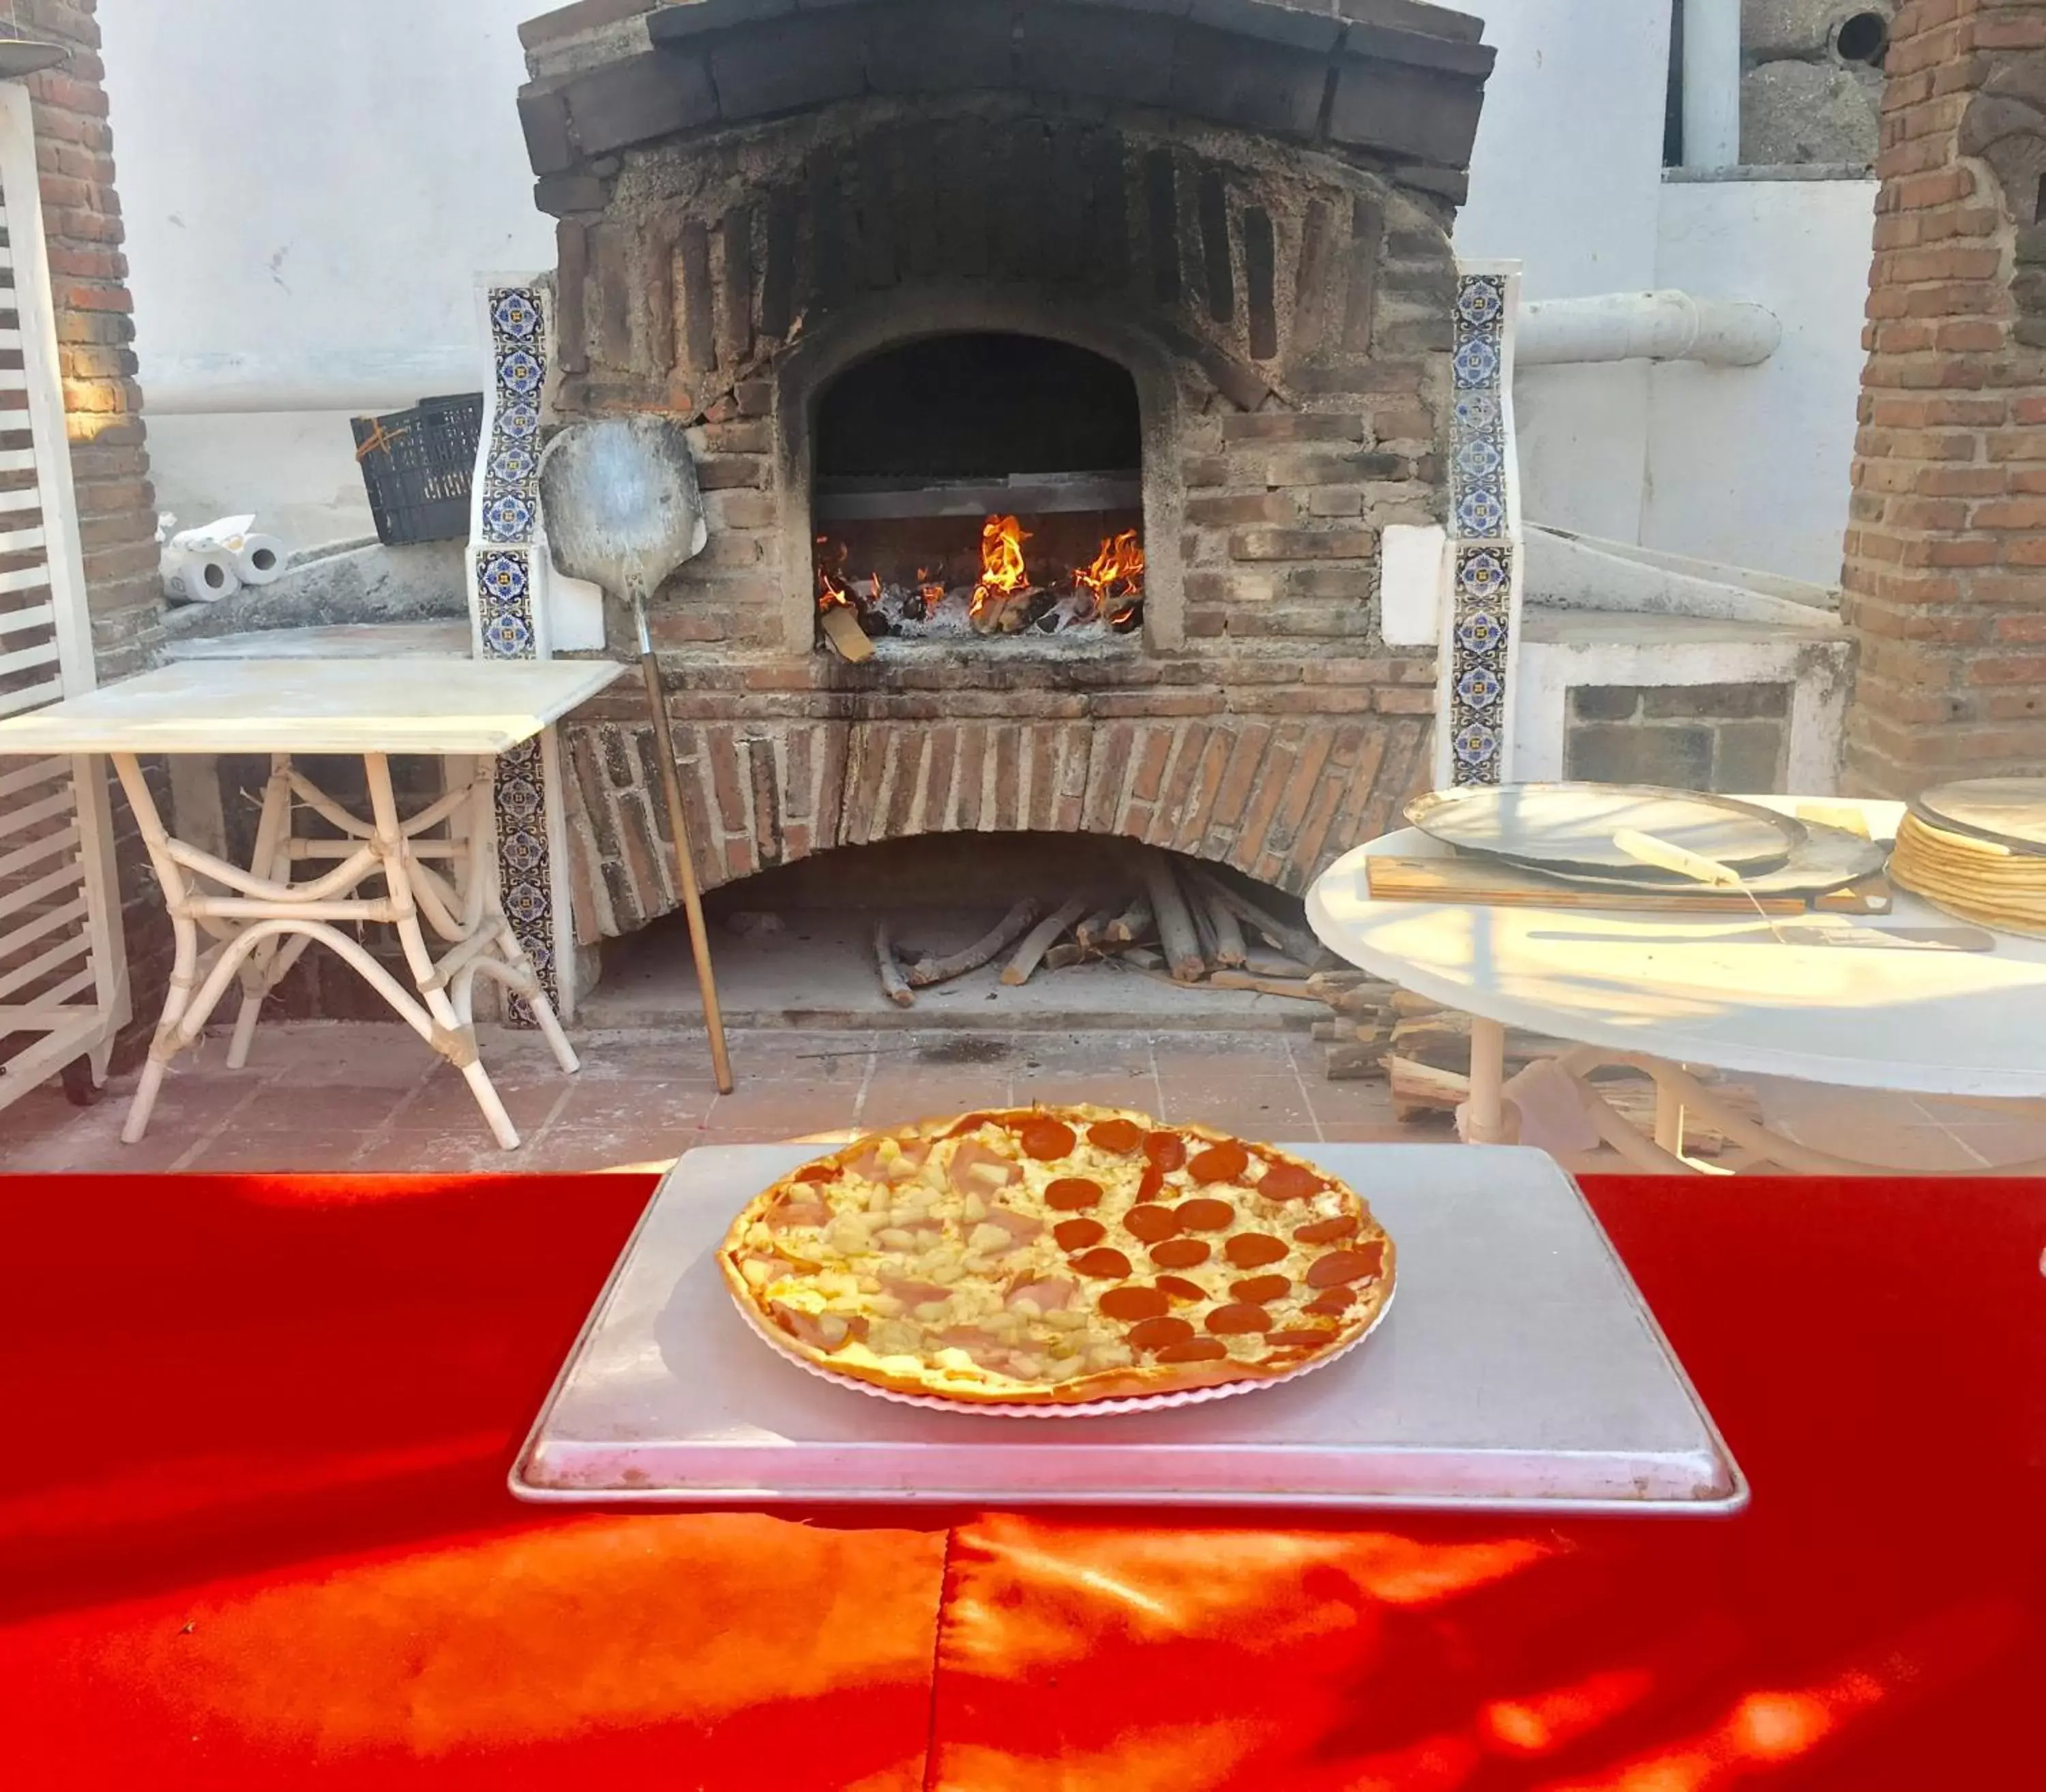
pixel 507 592
pixel 1481 622
pixel 1477 654
pixel 508 611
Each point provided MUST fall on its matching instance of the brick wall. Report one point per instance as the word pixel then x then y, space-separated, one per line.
pixel 1734 738
pixel 1945 572
pixel 110 457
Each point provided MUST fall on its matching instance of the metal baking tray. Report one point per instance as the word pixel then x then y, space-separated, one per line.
pixel 1519 1369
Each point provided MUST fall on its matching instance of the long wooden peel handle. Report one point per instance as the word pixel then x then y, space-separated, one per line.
pixel 685 871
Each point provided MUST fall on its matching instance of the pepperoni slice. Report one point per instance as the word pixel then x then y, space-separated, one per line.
pixel 1252 1250
pixel 1045 1140
pixel 1131 1302
pixel 1296 1340
pixel 1327 1232
pixel 1165 1151
pixel 1179 1253
pixel 1220 1163
pixel 1289 1182
pixel 1104 1265
pixel 1204 1216
pixel 1070 1193
pixel 1153 1184
pixel 1182 1289
pixel 1238 1318
pixel 1159 1334
pixel 1195 1350
pixel 1338 1301
pixel 1261 1291
pixel 1077 1234
pixel 1150 1223
pixel 1341 1266
pixel 817 1173
pixel 1122 1137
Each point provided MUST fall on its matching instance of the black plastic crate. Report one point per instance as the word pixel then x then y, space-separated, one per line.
pixel 418 467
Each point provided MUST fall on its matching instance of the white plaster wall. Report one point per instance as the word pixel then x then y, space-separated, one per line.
pixel 299 175
pixel 1750 465
pixel 1566 178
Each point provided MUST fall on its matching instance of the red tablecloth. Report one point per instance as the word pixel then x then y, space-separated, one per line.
pixel 254 1533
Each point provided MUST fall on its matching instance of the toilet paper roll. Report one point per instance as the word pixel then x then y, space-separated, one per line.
pixel 200 577
pixel 260 560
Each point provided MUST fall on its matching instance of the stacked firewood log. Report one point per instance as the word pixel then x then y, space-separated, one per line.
pixel 1179 920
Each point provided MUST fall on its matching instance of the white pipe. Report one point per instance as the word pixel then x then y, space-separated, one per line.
pixel 359 381
pixel 1657 326
pixel 1711 83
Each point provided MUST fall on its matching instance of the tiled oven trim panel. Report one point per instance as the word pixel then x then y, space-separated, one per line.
pixel 1481 621
pixel 507 572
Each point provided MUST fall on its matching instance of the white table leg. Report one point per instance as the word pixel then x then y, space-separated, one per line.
pixel 457 1041
pixel 265 922
pixel 1487 1124
pixel 1669 1119
pixel 272 859
pixel 184 963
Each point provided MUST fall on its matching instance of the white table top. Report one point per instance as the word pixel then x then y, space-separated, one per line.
pixel 314 705
pixel 1931 1023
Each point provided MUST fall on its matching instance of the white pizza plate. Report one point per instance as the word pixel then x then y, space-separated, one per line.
pixel 1076 1410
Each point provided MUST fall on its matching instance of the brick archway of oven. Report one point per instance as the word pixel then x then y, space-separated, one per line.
pixel 1275 797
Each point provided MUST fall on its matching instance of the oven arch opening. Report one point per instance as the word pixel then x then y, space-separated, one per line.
pixel 980 487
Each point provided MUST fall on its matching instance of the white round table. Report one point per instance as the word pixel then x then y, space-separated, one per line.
pixel 1660 993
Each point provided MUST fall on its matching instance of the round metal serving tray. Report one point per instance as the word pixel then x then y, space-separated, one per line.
pixel 1830 859
pixel 2008 812
pixel 1568 828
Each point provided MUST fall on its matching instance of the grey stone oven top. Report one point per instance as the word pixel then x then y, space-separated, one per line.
pixel 1394 83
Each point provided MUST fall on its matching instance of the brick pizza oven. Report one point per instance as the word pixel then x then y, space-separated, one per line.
pixel 941 286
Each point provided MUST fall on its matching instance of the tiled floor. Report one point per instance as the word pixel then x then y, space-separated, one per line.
pixel 326 1096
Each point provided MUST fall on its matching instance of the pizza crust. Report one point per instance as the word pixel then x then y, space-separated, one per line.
pixel 829 1260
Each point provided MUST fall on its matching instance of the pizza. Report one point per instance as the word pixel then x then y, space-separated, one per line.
pixel 1057 1255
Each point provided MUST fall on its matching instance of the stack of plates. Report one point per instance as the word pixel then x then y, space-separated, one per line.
pixel 1978 849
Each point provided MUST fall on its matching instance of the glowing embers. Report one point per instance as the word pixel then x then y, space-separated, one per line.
pixel 933 578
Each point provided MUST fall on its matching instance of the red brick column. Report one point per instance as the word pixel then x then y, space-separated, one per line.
pixel 1945 574
pixel 110 458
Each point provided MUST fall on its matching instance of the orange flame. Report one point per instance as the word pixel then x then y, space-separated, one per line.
pixel 1120 563
pixel 831 573
pixel 1002 568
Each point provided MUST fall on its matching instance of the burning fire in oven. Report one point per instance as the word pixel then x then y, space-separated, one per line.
pixel 1003 596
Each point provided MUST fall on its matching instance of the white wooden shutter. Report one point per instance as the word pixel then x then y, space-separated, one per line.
pixel 64 980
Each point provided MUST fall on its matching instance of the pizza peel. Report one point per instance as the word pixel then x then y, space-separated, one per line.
pixel 624 510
